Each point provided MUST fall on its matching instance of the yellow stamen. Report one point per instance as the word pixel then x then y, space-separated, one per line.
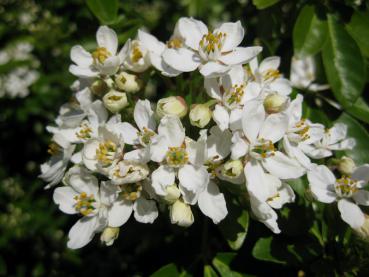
pixel 100 55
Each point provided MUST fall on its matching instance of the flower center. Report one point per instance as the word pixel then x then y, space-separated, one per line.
pixel 85 131
pixel 100 55
pixel 84 203
pixel 176 156
pixel 145 136
pixel 211 42
pixel 131 191
pixel 345 186
pixel 263 149
pixel 302 129
pixel 54 149
pixel 136 54
pixel 105 153
pixel 235 94
pixel 175 43
pixel 271 74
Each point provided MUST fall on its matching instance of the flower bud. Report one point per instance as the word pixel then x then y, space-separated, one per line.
pixel 173 193
pixel 99 88
pixel 200 115
pixel 109 235
pixel 128 82
pixel 232 171
pixel 115 101
pixel 173 105
pixel 363 231
pixel 181 214
pixel 275 103
pixel 346 165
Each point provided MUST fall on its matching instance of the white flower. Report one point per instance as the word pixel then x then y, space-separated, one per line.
pixel 303 73
pixel 104 60
pixel 82 195
pixel 125 172
pixel 115 101
pixel 53 170
pixel 214 53
pixel 200 115
pixel 334 139
pixel 172 105
pixel 135 55
pixel 347 191
pixel 301 134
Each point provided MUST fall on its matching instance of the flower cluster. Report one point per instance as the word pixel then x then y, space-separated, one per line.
pixel 117 154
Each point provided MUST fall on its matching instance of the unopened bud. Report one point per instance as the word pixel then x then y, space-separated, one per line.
pixel 181 214
pixel 232 171
pixel 173 193
pixel 109 235
pixel 173 105
pixel 115 101
pixel 346 165
pixel 363 231
pixel 200 115
pixel 128 82
pixel 275 103
pixel 99 88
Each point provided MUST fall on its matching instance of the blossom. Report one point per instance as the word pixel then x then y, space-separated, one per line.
pixel 214 53
pixel 104 60
pixel 347 191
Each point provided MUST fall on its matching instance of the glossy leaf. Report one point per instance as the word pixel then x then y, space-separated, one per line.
pixel 167 270
pixel 309 33
pixel 221 263
pixel 105 10
pixel 263 4
pixel 343 64
pixel 209 271
pixel 263 251
pixel 360 110
pixel 361 135
pixel 234 227
pixel 359 30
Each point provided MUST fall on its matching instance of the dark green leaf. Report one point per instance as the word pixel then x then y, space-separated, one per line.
pixel 309 33
pixel 343 64
pixel 221 263
pixel 263 251
pixel 360 110
pixel 209 271
pixel 263 4
pixel 167 270
pixel 359 133
pixel 234 227
pixel 105 10
pixel 359 30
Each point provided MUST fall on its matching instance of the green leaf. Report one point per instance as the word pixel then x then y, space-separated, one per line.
pixel 234 227
pixel 263 251
pixel 355 130
pixel 263 4
pixel 359 30
pixel 360 110
pixel 343 64
pixel 221 263
pixel 309 33
pixel 105 10
pixel 167 270
pixel 209 271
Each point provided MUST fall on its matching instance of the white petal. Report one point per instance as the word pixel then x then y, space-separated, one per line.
pixel 193 178
pixel 64 197
pixel 270 63
pixel 361 173
pixel 172 129
pixel 82 72
pixel 218 144
pixel 351 213
pixel 110 66
pixel 361 197
pixel 235 119
pixel 119 213
pixel 144 116
pixel 181 59
pixel 150 42
pixel 192 31
pixel 282 166
pixel 82 232
pixel 197 150
pixel 285 195
pixel 323 195
pixel 321 176
pixel 282 86
pixel 145 211
pixel 158 149
pixel 221 117
pixel 234 35
pixel 107 38
pixel 127 132
pixel 213 69
pixel 240 55
pixel 257 181
pixel 252 90
pixel 253 116
pixel 89 154
pixel 80 56
pixel 274 127
pixel 212 203
pixel 265 214
pixel 161 178
pixel 212 88
pixel 235 76
pixel 239 146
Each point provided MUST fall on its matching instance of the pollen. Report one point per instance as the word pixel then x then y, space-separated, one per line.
pixel 345 186
pixel 84 203
pixel 235 94
pixel 212 42
pixel 265 148
pixel 303 129
pixel 271 75
pixel 136 54
pixel 54 148
pixel 100 55
pixel 85 131
pixel 145 136
pixel 175 43
pixel 176 156
pixel 131 191
pixel 105 153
